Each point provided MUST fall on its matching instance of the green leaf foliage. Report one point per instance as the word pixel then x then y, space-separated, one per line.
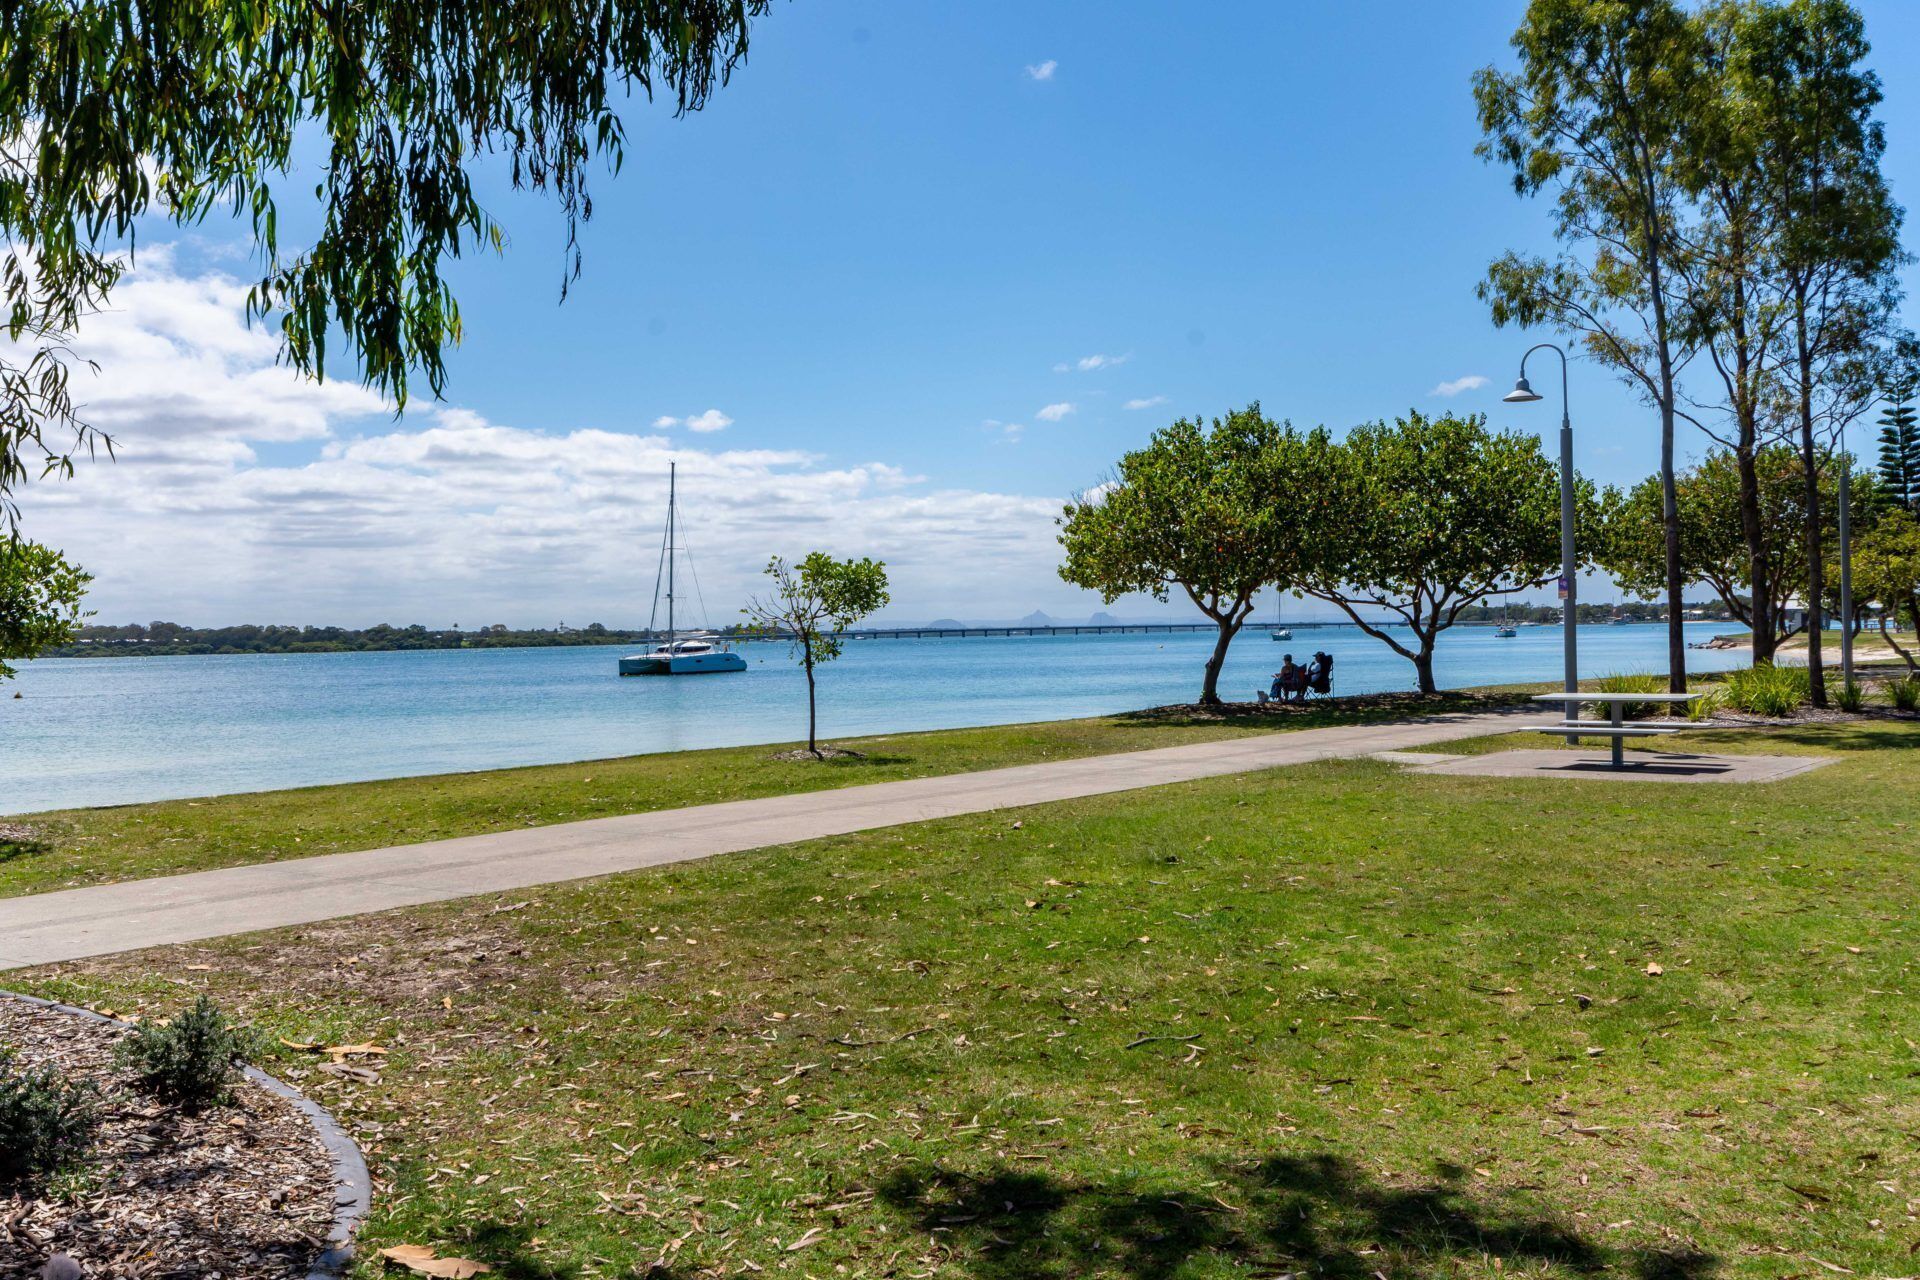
pixel 1432 516
pixel 378 112
pixel 1900 447
pixel 40 596
pixel 1886 572
pixel 1218 512
pixel 47 1122
pixel 812 601
pixel 193 1058
pixel 1713 548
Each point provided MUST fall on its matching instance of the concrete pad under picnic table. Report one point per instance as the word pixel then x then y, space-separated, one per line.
pixel 1640 766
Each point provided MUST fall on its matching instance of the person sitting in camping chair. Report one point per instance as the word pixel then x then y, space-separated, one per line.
pixel 1320 674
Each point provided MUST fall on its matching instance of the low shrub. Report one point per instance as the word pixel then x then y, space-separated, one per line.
pixel 1906 693
pixel 47 1122
pixel 1708 703
pixel 1850 697
pixel 193 1058
pixel 1768 690
pixel 1630 682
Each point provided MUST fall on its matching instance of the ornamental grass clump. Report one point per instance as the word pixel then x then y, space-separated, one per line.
pixel 47 1122
pixel 193 1059
pixel 1906 693
pixel 1708 704
pixel 1768 690
pixel 1850 697
pixel 1631 683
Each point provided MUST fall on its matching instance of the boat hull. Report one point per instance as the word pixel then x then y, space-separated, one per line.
pixel 682 664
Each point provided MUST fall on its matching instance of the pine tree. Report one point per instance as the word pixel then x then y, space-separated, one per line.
pixel 1900 447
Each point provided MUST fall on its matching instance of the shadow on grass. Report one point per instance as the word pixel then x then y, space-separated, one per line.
pixel 1358 708
pixel 20 841
pixel 851 760
pixel 1319 1215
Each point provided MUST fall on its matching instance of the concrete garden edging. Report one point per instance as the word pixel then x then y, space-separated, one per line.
pixel 352 1185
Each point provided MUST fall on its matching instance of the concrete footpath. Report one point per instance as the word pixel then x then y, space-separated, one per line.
pixel 74 923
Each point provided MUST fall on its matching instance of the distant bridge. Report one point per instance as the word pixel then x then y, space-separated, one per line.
pixel 1066 629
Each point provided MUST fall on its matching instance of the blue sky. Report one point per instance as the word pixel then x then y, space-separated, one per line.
pixel 877 248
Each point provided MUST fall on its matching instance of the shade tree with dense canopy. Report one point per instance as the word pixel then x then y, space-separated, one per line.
pixel 1428 517
pixel 1216 512
pixel 1886 571
pixel 1713 546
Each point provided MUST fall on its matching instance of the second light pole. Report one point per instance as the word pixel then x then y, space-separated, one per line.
pixel 1523 393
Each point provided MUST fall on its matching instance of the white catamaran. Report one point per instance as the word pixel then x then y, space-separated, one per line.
pixel 696 653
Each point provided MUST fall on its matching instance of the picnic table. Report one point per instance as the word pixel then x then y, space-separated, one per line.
pixel 1615 727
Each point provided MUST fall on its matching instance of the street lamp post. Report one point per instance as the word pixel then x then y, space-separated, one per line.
pixel 1846 569
pixel 1523 393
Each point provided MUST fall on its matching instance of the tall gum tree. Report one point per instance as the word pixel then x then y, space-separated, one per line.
pixel 1734 312
pixel 1218 513
pixel 1595 113
pixel 1810 103
pixel 1431 516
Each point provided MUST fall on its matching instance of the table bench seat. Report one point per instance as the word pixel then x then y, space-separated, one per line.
pixel 1600 729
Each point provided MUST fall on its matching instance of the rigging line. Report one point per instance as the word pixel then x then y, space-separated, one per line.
pixel 659 570
pixel 706 622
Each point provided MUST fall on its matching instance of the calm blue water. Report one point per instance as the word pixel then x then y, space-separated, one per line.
pixel 97 731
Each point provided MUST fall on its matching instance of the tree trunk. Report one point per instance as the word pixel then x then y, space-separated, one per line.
pixel 1759 569
pixel 1423 667
pixel 1210 686
pixel 812 746
pixel 1669 500
pixel 1913 665
pixel 1810 488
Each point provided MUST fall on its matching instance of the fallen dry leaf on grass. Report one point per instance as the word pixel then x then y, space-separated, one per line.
pixel 1653 969
pixel 422 1261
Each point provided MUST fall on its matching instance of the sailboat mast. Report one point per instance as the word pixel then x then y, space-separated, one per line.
pixel 672 469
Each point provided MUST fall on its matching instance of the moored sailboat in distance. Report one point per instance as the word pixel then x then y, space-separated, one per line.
pixel 1280 631
pixel 697 652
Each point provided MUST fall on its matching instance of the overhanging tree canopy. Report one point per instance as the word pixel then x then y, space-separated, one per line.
pixel 40 595
pixel 115 110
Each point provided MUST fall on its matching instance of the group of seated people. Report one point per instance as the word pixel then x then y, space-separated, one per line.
pixel 1291 681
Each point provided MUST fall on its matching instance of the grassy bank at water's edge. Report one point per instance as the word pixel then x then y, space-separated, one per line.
pixel 77 847
pixel 1335 1020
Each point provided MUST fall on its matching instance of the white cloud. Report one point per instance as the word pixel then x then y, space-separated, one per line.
pixel 243 492
pixel 1472 382
pixel 1054 412
pixel 1042 70
pixel 711 420
pixel 1087 364
pixel 1145 402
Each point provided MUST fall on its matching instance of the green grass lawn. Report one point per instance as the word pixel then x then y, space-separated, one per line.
pixel 1334 1020
pixel 95 846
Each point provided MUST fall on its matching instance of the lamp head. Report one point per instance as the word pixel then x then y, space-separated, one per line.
pixel 1522 393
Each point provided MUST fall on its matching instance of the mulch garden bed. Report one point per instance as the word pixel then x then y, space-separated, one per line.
pixel 242 1191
